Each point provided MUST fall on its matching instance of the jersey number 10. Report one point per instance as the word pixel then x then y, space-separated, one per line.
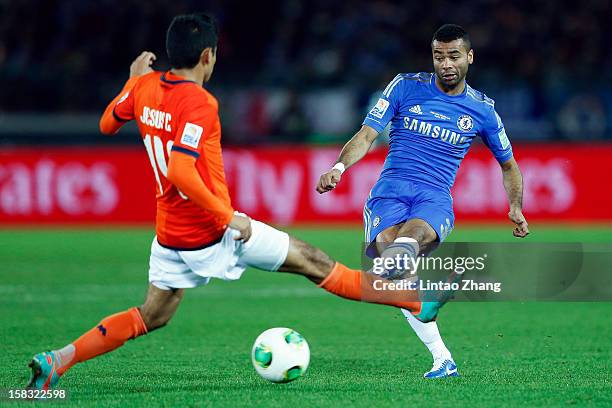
pixel 157 157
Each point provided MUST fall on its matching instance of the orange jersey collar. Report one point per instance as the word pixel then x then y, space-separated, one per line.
pixel 169 78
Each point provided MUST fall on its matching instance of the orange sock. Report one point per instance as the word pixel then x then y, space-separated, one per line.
pixel 108 335
pixel 358 285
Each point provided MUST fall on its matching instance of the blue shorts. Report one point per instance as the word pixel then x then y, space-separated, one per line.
pixel 393 202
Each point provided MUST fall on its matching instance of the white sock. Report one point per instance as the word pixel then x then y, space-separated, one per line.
pixel 429 334
pixel 65 355
pixel 410 248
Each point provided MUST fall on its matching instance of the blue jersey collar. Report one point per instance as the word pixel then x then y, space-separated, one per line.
pixel 436 90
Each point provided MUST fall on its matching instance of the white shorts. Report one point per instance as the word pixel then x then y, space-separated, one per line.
pixel 266 249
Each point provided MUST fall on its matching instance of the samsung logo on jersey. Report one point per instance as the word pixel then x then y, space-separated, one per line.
pixel 437 132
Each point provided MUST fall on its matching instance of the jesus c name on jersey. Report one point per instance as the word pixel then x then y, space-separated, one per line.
pixel 156 118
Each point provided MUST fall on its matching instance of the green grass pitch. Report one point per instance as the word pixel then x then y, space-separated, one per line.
pixel 55 284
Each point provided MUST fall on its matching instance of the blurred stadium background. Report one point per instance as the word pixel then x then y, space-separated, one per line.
pixel 300 73
pixel 294 80
pixel 297 71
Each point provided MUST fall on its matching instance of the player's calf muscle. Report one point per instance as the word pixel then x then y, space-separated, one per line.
pixel 304 259
pixel 159 306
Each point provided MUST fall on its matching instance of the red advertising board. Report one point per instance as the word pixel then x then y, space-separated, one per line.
pixel 116 185
pixel 76 185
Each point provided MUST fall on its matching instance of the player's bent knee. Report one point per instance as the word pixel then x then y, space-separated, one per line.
pixel 422 233
pixel 388 235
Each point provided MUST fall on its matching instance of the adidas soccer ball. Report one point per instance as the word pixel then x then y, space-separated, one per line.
pixel 280 355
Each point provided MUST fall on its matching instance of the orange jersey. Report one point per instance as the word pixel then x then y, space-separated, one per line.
pixel 179 123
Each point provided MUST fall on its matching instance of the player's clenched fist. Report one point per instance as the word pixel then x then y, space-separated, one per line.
pixel 517 217
pixel 328 181
pixel 241 224
pixel 142 64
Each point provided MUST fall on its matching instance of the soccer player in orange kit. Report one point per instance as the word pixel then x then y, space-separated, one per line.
pixel 199 236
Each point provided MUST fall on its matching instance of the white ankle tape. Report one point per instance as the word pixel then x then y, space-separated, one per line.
pixel 410 241
pixel 406 239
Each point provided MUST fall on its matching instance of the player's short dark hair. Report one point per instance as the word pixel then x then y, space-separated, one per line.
pixel 189 35
pixel 452 32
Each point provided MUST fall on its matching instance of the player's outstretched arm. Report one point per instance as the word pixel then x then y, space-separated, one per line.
pixel 352 152
pixel 120 110
pixel 513 183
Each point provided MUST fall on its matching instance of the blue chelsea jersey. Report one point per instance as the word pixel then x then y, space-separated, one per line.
pixel 431 132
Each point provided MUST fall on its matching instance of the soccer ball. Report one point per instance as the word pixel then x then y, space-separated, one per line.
pixel 280 355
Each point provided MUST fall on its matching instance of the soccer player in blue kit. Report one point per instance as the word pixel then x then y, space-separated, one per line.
pixel 434 118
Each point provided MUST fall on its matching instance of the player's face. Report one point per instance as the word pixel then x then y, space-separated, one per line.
pixel 451 61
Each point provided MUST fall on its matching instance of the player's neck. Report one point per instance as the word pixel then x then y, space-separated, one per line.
pixel 457 90
pixel 194 74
